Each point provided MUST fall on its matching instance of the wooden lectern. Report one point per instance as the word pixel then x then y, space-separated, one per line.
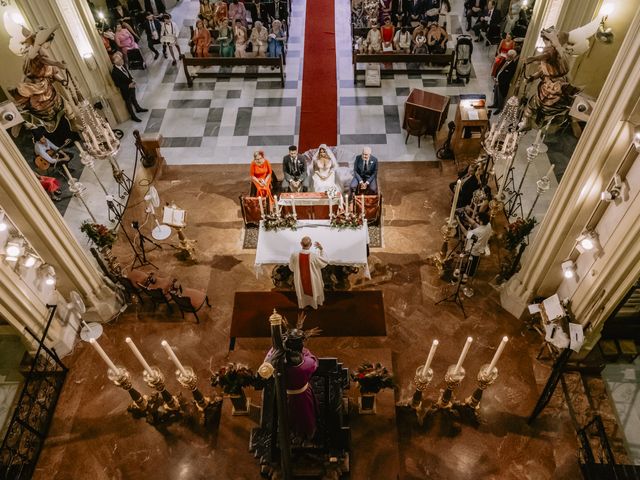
pixel 429 108
pixel 472 123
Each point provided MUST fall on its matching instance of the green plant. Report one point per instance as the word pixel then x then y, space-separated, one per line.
pixel 100 235
pixel 517 231
pixel 371 378
pixel 232 378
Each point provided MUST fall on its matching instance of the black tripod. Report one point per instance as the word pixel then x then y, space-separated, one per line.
pixel 455 296
pixel 141 239
pixel 116 209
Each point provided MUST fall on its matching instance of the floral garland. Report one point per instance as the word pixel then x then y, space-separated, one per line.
pixel 276 222
pixel 232 378
pixel 344 220
pixel 371 378
pixel 98 234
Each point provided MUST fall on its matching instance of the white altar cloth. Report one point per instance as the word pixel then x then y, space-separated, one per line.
pixel 341 247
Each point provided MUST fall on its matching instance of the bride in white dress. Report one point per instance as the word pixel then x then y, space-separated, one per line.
pixel 324 170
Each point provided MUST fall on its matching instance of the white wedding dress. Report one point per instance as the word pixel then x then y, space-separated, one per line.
pixel 324 176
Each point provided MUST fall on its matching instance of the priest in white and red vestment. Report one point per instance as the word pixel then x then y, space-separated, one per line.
pixel 306 265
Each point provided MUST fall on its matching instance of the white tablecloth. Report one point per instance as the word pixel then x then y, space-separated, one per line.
pixel 341 247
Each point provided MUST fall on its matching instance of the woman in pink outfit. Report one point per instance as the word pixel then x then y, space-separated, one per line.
pixel 237 11
pixel 125 41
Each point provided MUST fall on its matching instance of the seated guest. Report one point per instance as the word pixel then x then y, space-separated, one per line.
pixel 365 173
pixel 259 38
pixel 324 170
pixel 48 152
pixel 294 167
pixel 225 40
pixel 506 44
pixel 386 33
pixel 402 40
pixel 206 10
pixel 385 10
pixel 416 11
pixel 220 12
pixel 51 186
pixel 277 37
pixel 237 11
pixel 420 44
pixel 445 9
pixel 419 30
pixel 374 39
pixel 120 14
pixel 169 37
pixel 437 39
pixel 261 176
pixel 473 9
pixel 490 19
pixel 240 39
pixel 432 10
pixel 252 9
pixel 201 40
pixel 109 41
pixel 125 42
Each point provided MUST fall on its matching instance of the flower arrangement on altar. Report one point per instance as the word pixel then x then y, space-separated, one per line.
pixel 332 192
pixel 342 220
pixel 277 222
pixel 100 235
pixel 517 231
pixel 371 378
pixel 232 378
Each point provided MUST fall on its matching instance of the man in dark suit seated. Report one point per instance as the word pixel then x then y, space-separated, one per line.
pixel 365 174
pixel 152 27
pixel 490 20
pixel 294 167
pixel 127 85
pixel 473 9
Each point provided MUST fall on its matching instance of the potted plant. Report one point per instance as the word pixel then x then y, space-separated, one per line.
pixel 232 378
pixel 371 378
pixel 515 241
pixel 103 239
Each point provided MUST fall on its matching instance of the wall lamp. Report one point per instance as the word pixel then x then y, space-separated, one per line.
pixel 569 269
pixel 587 241
pixel 636 138
pixel 14 249
pixel 614 191
pixel 604 34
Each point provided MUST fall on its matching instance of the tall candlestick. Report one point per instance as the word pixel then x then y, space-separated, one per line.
pixel 173 357
pixel 463 355
pixel 104 355
pixel 456 193
pixel 330 207
pixel 550 171
pixel 275 201
pixel 432 352
pixel 362 202
pixel 79 146
pixel 139 356
pixel 495 358
pixel 346 203
pixel 538 137
pixel 67 172
pixel 261 207
pixel 293 207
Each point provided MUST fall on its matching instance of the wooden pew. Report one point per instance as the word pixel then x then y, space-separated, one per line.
pixel 443 59
pixel 277 63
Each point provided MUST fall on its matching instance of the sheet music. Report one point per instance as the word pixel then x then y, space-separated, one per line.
pixel 174 216
pixel 553 308
pixel 473 114
pixel 534 308
pixel 576 335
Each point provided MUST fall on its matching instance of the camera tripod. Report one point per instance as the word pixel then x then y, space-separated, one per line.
pixel 455 296
pixel 141 239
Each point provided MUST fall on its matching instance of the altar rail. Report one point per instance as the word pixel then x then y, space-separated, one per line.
pixel 416 64
pixel 33 412
pixel 231 62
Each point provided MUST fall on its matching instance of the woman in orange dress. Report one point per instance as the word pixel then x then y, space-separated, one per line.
pixel 506 44
pixel 201 40
pixel 261 176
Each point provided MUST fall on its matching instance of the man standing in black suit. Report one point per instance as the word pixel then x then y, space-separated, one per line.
pixel 124 81
pixel 503 81
pixel 365 173
pixel 490 19
pixel 294 167
pixel 153 27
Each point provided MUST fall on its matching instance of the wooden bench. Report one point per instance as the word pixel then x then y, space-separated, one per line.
pixel 444 59
pixel 276 63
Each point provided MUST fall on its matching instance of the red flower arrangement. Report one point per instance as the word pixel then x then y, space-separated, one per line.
pixel 371 378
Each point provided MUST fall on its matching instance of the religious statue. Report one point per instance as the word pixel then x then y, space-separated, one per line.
pixel 324 170
pixel 43 94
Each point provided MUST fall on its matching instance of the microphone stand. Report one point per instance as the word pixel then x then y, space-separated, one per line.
pixel 455 296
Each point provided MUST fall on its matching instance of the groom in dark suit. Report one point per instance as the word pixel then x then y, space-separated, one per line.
pixel 124 81
pixel 294 167
pixel 365 174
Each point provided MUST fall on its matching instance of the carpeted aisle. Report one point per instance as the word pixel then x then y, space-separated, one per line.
pixel 319 110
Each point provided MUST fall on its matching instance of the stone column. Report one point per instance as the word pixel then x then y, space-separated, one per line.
pixel 93 74
pixel 26 202
pixel 605 140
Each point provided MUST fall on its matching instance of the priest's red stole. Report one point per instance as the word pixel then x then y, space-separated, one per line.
pixel 305 273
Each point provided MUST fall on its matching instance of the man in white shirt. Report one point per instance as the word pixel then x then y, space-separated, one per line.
pixel 477 240
pixel 47 150
pixel 307 266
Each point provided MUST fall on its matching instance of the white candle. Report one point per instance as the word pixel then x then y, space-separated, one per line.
pixel 67 172
pixel 330 207
pixel 362 202
pixel 538 137
pixel 432 352
pixel 463 355
pixel 456 193
pixel 79 146
pixel 495 358
pixel 293 207
pixel 275 201
pixel 138 355
pixel 261 207
pixel 104 355
pixel 346 201
pixel 550 171
pixel 173 357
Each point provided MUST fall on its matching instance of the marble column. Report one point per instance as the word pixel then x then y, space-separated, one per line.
pixel 29 207
pixel 604 142
pixel 78 36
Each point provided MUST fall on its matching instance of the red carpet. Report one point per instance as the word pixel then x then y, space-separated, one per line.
pixel 319 110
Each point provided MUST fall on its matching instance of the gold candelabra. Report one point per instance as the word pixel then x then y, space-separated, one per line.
pixel 155 380
pixel 122 379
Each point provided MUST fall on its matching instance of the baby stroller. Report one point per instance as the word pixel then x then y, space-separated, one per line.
pixel 136 60
pixel 464 49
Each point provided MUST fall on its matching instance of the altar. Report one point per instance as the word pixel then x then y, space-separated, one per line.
pixel 309 205
pixel 341 247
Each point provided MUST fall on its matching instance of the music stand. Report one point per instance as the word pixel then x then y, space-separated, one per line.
pixel 177 218
pixel 455 296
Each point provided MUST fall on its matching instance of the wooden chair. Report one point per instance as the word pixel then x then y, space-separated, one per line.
pixel 157 296
pixel 190 300
pixel 416 128
pixel 130 289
